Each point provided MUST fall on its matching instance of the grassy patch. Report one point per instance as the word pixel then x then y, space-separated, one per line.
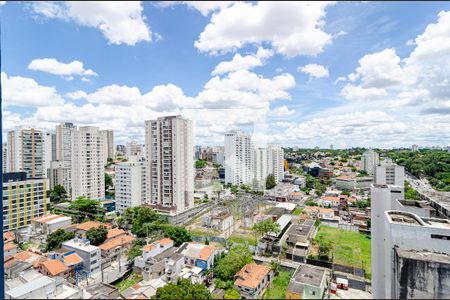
pixel 350 248
pixel 128 282
pixel 277 289
pixel 297 211
pixel 241 239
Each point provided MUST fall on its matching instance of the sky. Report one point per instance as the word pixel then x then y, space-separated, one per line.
pixel 350 74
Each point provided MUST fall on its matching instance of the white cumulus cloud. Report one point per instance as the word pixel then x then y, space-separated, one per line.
pixel 314 70
pixel 243 62
pixel 53 66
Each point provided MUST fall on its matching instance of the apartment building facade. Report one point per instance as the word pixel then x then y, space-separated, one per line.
pixel 239 158
pixel 131 184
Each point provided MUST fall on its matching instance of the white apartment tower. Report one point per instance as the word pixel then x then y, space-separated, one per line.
pixel 26 152
pixel 369 160
pixel 88 173
pixel 170 163
pixel 64 138
pixel 131 183
pixel 238 153
pixel 111 153
pixel 275 165
pixel 260 165
pixel 390 173
pixel 133 148
pixel 5 157
pixel 48 151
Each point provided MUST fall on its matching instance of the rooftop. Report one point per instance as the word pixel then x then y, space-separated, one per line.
pixel 115 232
pixel 423 255
pixel 91 224
pixel 72 259
pixel 79 244
pixel 22 290
pixel 51 218
pixel 308 275
pixel 118 241
pixel 9 246
pixel 251 275
pixel 54 266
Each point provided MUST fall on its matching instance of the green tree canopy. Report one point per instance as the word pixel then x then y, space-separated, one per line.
pixel 183 289
pixel 138 216
pixel 200 163
pixel 56 238
pixel 97 235
pixel 58 194
pixel 270 182
pixel 179 235
pixel 87 208
pixel 266 226
pixel 232 294
pixel 232 262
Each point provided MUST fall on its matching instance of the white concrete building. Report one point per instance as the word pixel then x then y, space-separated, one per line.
pixel 131 184
pixel 48 151
pixel 369 160
pixel 5 157
pixel 415 147
pixel 261 166
pixel 64 137
pixel 49 223
pixel 133 148
pixel 88 172
pixel 90 254
pixel 170 163
pixel 58 173
pixel 275 161
pixel 23 200
pixel 238 158
pixel 110 149
pixel 390 174
pixel 26 152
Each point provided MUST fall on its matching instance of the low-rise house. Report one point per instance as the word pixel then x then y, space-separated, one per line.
pixel 120 245
pixel 270 243
pixel 115 232
pixel 70 259
pixel 49 223
pixel 8 236
pixel 10 249
pixel 151 250
pixel 330 201
pixel 281 192
pixel 33 285
pixel 101 291
pixel 308 282
pixel 13 267
pixel 82 228
pixel 53 267
pixel 143 289
pixel 252 280
pixel 200 255
pixel 173 267
pixel 194 274
pixel 90 254
pixel 299 238
pixel 220 221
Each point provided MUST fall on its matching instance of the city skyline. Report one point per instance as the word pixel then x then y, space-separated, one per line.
pixel 386 88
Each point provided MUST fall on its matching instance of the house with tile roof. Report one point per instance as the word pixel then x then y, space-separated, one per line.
pixel 117 246
pixel 10 249
pixel 115 232
pixel 53 267
pixel 201 255
pixel 252 280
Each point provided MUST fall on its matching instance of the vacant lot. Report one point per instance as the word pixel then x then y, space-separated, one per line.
pixel 277 288
pixel 350 248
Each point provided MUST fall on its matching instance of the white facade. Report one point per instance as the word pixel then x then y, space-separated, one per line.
pixel 238 158
pixel 133 148
pixel 64 137
pixel 275 165
pixel 5 157
pixel 26 152
pixel 261 166
pixel 88 172
pixel 170 163
pixel 415 147
pixel 90 254
pixel 131 182
pixel 48 151
pixel 22 201
pixel 390 173
pixel 369 160
pixel 58 173
pixel 111 148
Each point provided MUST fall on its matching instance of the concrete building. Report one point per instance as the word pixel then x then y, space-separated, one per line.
pixel 49 151
pixel 5 157
pixel 90 254
pixel 390 174
pixel 49 223
pixel 59 173
pixel 415 147
pixel 238 158
pixel 88 171
pixel 349 183
pixel 133 148
pixel 170 163
pixel 110 148
pixel 23 200
pixel 131 184
pixel 261 166
pixel 369 160
pixel 63 140
pixel 252 280
pixel 410 254
pixel 26 152
pixel 308 282
pixel 275 161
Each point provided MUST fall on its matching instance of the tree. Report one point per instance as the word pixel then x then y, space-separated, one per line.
pixel 136 249
pixel 319 188
pixel 217 188
pixel 183 289
pixel 234 189
pixel 346 193
pixel 108 181
pixel 369 223
pixel 270 182
pixel 97 235
pixel 232 294
pixel 178 234
pixel 89 208
pixel 324 247
pixel 266 226
pixel 275 265
pixel 58 194
pixel 310 203
pixel 138 216
pixel 200 163
pixel 56 238
pixel 232 262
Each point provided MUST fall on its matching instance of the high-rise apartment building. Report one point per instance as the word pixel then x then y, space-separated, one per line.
pixel 23 199
pixel 238 162
pixel 170 164
pixel 131 184
pixel 5 157
pixel 260 166
pixel 111 153
pixel 410 250
pixel 369 160
pixel 63 140
pixel 275 164
pixel 390 173
pixel 26 152
pixel 59 174
pixel 88 172
pixel 133 148
pixel 48 151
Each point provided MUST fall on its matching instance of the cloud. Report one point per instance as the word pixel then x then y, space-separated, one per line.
pixel 243 63
pixel 120 22
pixel 282 111
pixel 298 32
pixel 53 66
pixel 23 91
pixel 2 3
pixel 339 79
pixel 314 70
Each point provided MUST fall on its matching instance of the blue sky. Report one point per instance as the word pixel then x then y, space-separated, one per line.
pixel 144 60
